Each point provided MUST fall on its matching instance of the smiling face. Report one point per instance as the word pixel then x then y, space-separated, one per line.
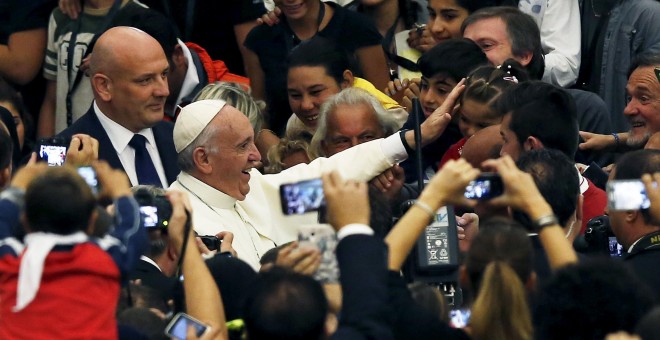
pixel 492 36
pixel 232 153
pixel 475 116
pixel 643 109
pixel 445 19
pixel 309 87
pixel 434 91
pixel 298 9
pixel 350 125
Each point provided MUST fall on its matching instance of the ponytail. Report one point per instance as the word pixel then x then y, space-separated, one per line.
pixel 500 310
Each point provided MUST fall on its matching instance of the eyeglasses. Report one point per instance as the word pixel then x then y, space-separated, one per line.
pixel 657 73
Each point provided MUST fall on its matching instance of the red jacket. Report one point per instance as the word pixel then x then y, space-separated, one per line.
pixel 216 70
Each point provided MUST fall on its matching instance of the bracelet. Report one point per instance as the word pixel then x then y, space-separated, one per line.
pixel 426 208
pixel 617 141
pixel 402 134
pixel 545 221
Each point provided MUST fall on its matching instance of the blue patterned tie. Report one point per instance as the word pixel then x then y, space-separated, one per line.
pixel 144 166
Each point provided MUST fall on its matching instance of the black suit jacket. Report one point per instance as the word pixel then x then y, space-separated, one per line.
pixel 644 263
pixel 89 124
pixel 365 312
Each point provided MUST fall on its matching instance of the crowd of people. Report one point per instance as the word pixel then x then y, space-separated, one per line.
pixel 190 138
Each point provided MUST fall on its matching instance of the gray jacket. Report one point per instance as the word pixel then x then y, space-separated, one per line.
pixel 634 28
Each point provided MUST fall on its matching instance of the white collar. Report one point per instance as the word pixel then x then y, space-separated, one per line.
pixel 191 80
pixel 205 192
pixel 119 135
pixel 584 183
pixel 148 260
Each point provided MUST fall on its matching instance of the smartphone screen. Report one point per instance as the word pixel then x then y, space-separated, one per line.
pixel 486 186
pixel 89 175
pixel 178 327
pixel 616 249
pixel 627 195
pixel 149 216
pixel 302 197
pixel 52 154
pixel 459 318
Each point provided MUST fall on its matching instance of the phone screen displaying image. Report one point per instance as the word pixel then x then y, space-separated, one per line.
pixel 54 155
pixel 485 187
pixel 178 327
pixel 302 197
pixel 616 249
pixel 459 318
pixel 627 195
pixel 149 215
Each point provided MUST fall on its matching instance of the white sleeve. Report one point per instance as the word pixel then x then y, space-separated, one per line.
pixel 560 39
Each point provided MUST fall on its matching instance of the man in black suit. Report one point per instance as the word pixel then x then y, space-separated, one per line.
pixel 635 229
pixel 129 78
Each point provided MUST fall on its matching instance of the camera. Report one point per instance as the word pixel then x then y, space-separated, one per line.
pixel 599 239
pixel 52 150
pixel 211 242
pixel 155 210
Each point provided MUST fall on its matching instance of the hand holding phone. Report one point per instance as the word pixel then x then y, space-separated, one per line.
pixel 178 327
pixel 488 185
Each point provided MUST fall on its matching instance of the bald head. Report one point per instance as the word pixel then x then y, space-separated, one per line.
pixel 129 78
pixel 483 145
pixel 118 44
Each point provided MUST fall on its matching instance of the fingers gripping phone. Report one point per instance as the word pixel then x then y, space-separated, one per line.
pixel 323 238
pixel 178 327
pixel 302 197
pixel 488 185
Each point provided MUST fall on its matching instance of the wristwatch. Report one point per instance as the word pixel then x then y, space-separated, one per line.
pixel 544 221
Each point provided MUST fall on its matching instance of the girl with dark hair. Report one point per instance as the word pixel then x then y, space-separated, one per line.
pixel 477 103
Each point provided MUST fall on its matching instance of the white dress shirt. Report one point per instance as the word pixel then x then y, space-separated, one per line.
pixel 120 137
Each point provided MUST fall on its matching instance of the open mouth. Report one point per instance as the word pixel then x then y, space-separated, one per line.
pixel 312 118
pixel 428 110
pixel 292 7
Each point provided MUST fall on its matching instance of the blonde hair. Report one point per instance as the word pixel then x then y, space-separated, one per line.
pixel 500 310
pixel 286 147
pixel 498 262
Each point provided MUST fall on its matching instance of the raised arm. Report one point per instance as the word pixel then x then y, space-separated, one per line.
pixel 446 187
pixel 202 296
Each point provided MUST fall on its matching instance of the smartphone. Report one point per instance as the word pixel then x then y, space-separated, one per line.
pixel 459 318
pixel 627 195
pixel 488 185
pixel 616 249
pixel 178 327
pixel 302 197
pixel 52 150
pixel 89 175
pixel 323 238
